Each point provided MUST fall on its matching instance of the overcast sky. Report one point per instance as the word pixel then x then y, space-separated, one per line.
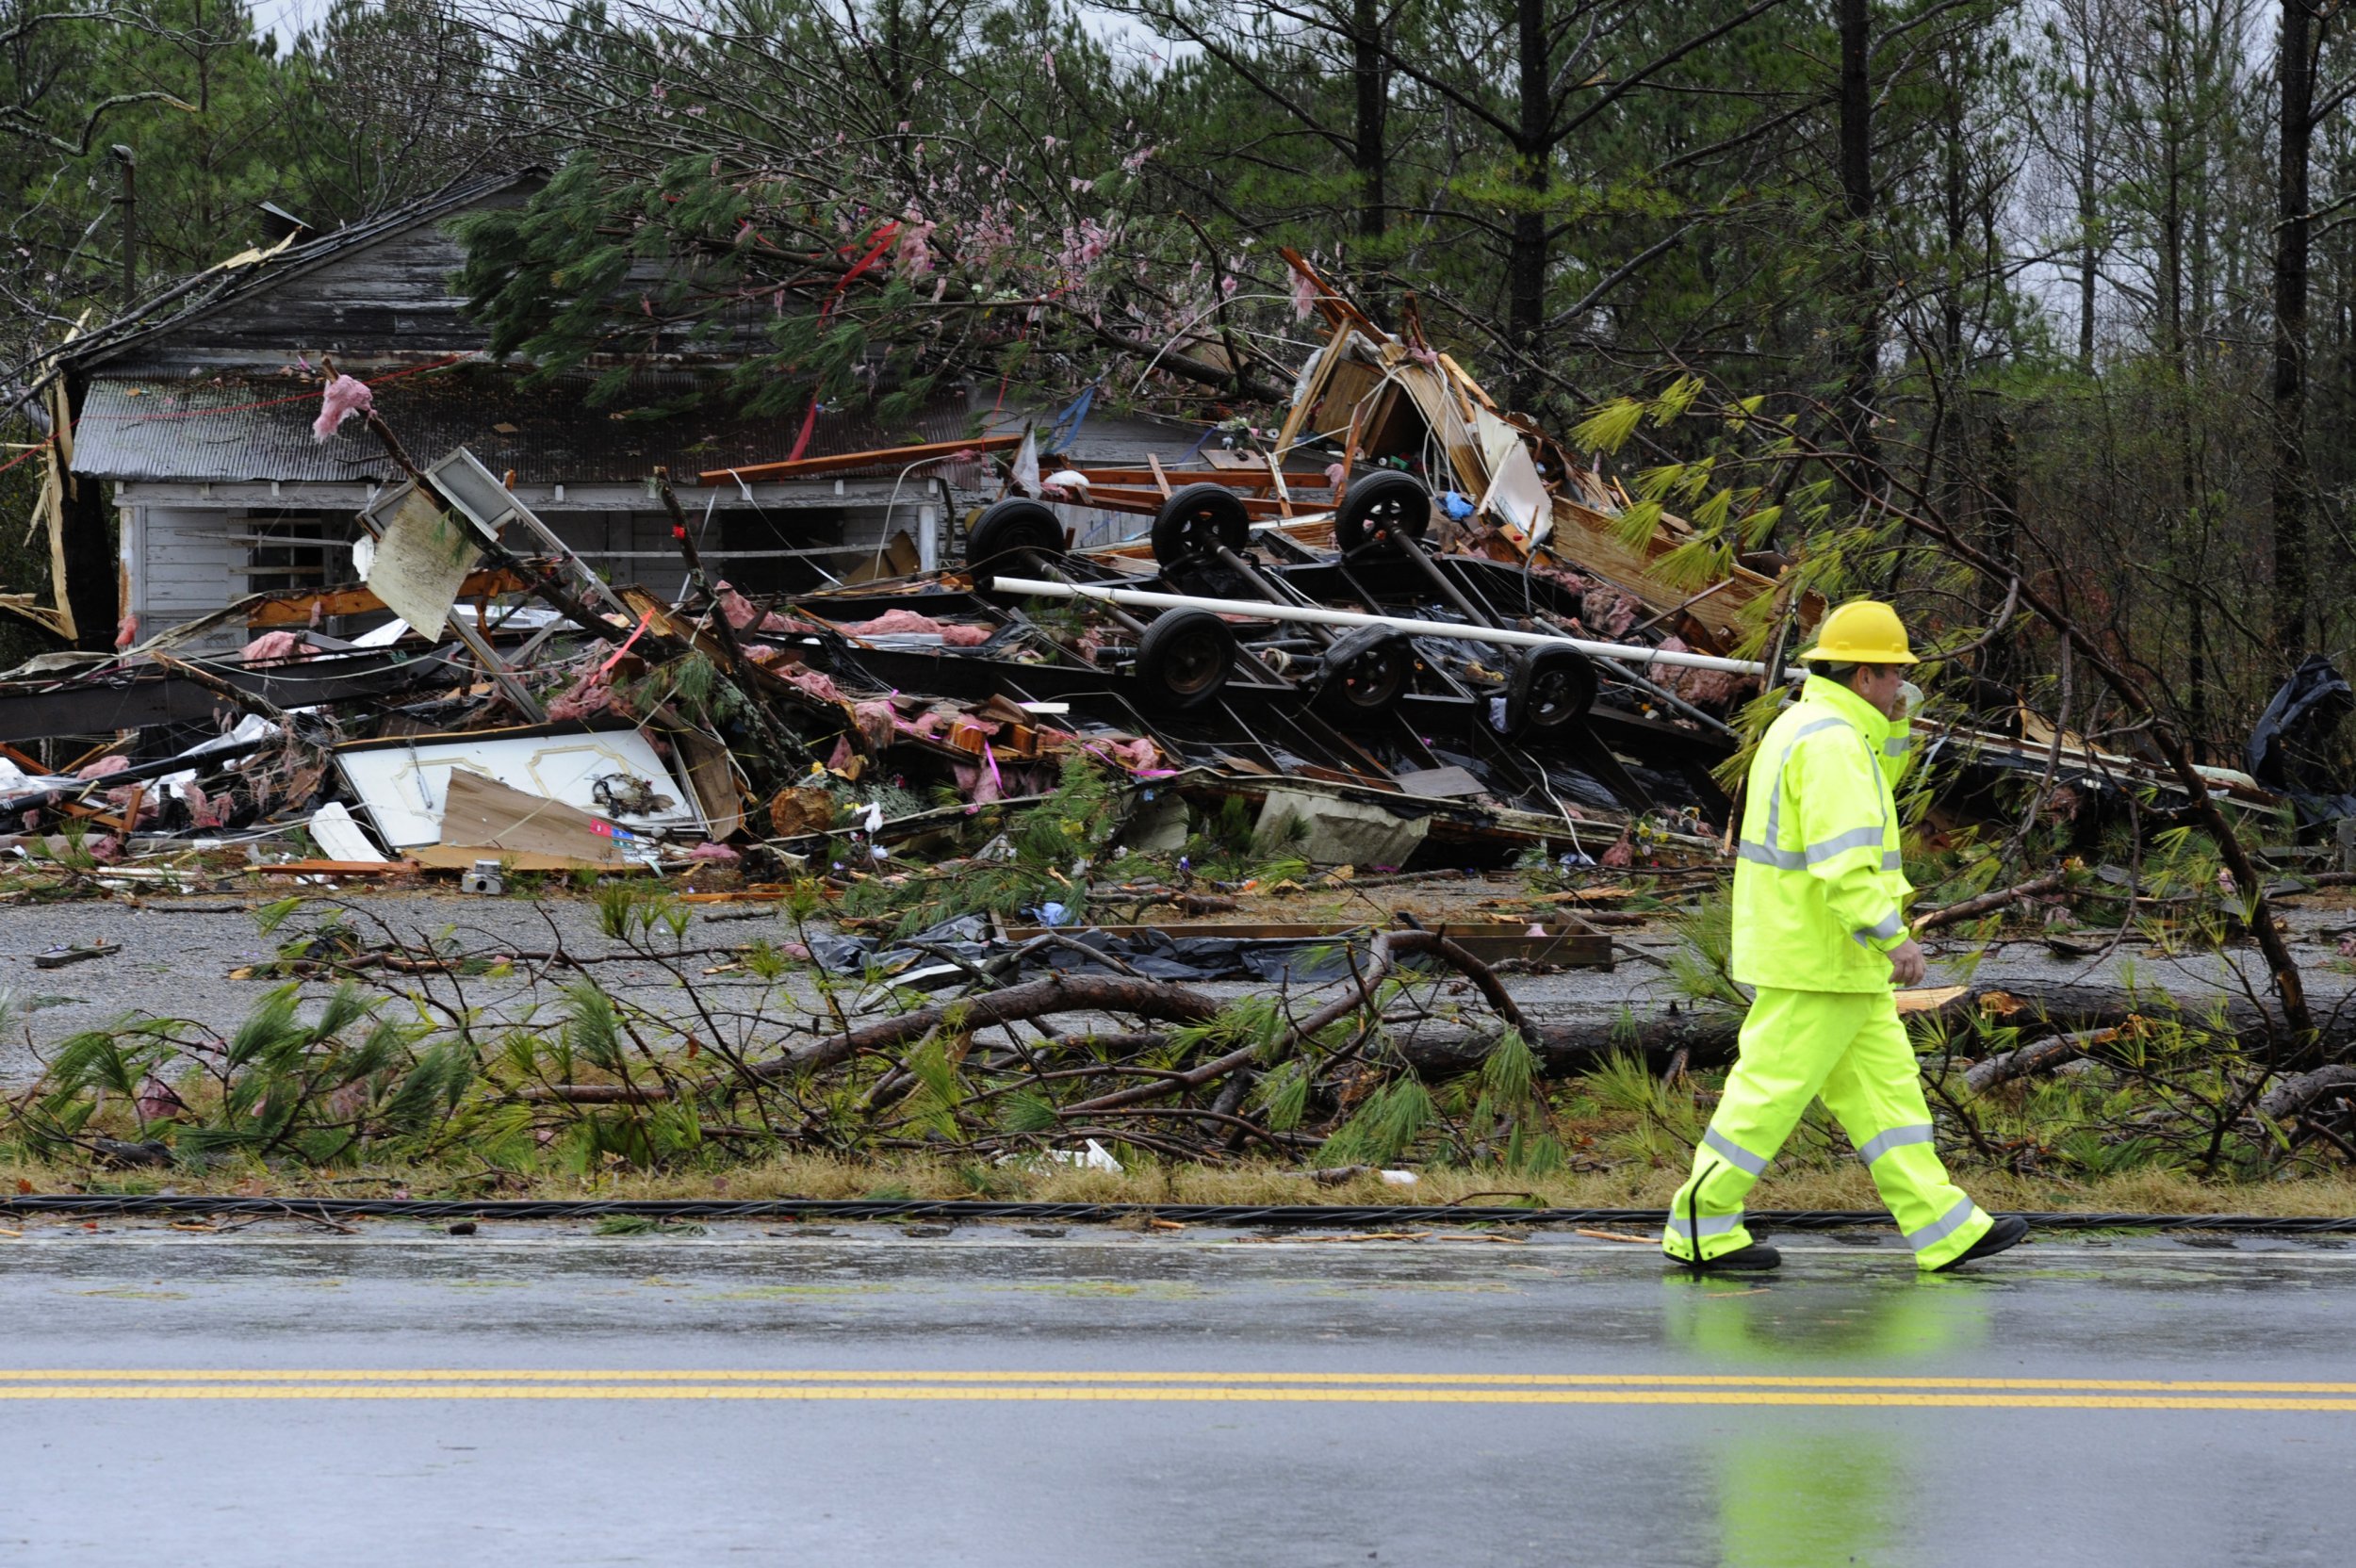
pixel 287 18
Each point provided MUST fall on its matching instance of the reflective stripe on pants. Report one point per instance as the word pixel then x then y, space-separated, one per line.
pixel 1851 1048
pixel 1711 1225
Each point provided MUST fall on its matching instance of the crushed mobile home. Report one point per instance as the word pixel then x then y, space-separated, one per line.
pixel 1408 623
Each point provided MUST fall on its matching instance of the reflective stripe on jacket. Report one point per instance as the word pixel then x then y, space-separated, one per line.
pixel 1818 891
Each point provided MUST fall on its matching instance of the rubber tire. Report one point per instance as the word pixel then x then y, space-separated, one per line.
pixel 1185 659
pixel 1552 688
pixel 1380 509
pixel 1368 680
pixel 1006 528
pixel 1195 518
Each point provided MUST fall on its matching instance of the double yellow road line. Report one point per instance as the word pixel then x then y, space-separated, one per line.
pixel 1014 1386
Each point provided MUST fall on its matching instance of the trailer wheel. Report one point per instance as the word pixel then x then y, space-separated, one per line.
pixel 1185 658
pixel 1384 511
pixel 1366 674
pixel 1195 521
pixel 1552 688
pixel 1005 534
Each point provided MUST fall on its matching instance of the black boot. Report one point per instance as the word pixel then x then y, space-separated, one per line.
pixel 1754 1259
pixel 2007 1231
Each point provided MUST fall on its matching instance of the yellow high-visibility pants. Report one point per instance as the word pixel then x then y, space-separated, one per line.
pixel 1850 1048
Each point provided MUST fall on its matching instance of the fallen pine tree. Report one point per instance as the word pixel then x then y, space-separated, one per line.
pixel 1422 1054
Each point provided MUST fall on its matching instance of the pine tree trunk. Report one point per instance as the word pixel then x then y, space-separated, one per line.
pixel 1856 186
pixel 1371 152
pixel 2292 481
pixel 1526 260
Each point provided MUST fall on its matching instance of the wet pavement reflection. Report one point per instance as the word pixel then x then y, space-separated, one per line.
pixel 1100 1398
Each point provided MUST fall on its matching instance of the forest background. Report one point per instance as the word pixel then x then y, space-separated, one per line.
pixel 2065 289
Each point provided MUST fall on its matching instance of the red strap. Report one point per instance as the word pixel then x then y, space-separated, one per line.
pixel 809 422
pixel 884 237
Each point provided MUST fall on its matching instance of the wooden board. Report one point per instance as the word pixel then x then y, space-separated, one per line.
pixel 462 858
pixel 711 775
pixel 299 610
pixel 844 462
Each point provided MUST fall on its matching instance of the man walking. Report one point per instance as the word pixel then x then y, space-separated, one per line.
pixel 1820 934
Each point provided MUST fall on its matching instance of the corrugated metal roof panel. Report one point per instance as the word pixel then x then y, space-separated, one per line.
pixel 243 428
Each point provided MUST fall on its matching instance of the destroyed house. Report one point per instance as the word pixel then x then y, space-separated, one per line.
pixel 192 425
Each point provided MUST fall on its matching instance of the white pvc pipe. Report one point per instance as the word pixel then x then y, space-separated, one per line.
pixel 1262 610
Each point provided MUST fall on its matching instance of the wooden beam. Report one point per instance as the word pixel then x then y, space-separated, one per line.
pixel 296 608
pixel 1115 498
pixel 1235 478
pixel 844 462
pixel 1276 476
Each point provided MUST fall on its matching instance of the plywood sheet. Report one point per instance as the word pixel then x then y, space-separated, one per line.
pixel 480 813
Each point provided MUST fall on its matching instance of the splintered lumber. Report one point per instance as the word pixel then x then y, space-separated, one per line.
pixel 839 462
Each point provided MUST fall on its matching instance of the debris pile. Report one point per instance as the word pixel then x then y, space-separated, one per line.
pixel 1408 630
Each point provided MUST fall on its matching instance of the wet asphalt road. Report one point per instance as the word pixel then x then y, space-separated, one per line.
pixel 1104 1400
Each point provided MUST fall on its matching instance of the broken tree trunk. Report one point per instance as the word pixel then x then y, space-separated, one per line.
pixel 2294 1096
pixel 1564 1044
pixel 1569 1043
pixel 1386 949
pixel 1060 993
pixel 2030 1060
pixel 1986 904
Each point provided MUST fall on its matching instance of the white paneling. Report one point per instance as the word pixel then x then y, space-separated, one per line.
pixel 189 566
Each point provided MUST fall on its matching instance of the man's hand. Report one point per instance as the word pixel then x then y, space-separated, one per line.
pixel 1906 963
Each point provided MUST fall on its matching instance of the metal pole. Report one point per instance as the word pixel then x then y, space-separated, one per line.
pixel 1256 610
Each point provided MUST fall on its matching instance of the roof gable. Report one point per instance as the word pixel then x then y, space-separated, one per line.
pixel 372 290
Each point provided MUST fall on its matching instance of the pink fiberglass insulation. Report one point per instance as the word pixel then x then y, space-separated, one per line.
pixel 276 646
pixel 904 622
pixel 746 616
pixel 876 721
pixel 592 695
pixel 340 399
pixel 817 683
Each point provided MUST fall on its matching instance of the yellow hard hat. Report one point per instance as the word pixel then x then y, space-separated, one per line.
pixel 1863 631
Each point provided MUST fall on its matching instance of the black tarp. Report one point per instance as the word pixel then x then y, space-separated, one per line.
pixel 2287 748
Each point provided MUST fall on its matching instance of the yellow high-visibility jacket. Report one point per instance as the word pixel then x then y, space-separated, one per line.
pixel 1819 892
